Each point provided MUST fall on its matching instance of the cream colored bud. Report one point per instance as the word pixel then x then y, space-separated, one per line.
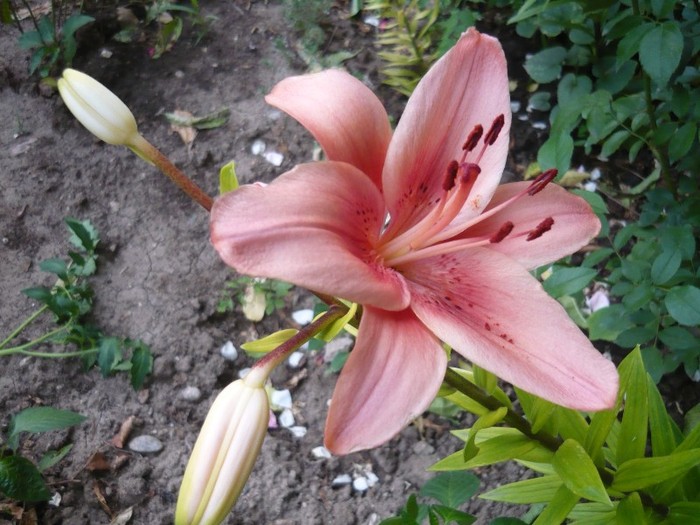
pixel 98 109
pixel 225 452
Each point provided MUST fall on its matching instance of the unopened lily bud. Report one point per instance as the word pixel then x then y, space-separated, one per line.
pixel 225 452
pixel 98 109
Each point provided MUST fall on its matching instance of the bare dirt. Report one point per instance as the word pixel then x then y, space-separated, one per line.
pixel 159 280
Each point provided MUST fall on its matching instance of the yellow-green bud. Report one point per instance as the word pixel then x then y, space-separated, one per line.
pixel 98 109
pixel 225 452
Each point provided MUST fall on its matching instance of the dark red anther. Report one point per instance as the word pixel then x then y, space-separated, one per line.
pixel 541 181
pixel 469 172
pixel 502 233
pixel 450 176
pixel 473 138
pixel 540 229
pixel 496 128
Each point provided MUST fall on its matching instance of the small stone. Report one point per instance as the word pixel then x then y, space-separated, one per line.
pixel 590 186
pixel 341 480
pixel 105 53
pixel 303 317
pixel 422 448
pixel 281 399
pixel 179 74
pixel 274 157
pixel 297 431
pixel 286 418
pixel 258 147
pixel 514 106
pixel 539 125
pixel 191 393
pixel 596 174
pixel 360 484
pixel 321 453
pixel 55 500
pixel 336 346
pixel 295 359
pixel 146 444
pixel 372 479
pixel 372 21
pixel 229 352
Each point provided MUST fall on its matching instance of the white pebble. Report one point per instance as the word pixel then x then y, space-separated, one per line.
pixel 303 317
pixel 146 444
pixel 55 500
pixel 286 418
pixel 258 147
pixel 341 480
pixel 274 157
pixel 595 174
pixel 539 125
pixel 297 431
pixel 590 186
pixel 360 484
pixel 372 21
pixel 229 352
pixel 191 393
pixel 321 452
pixel 372 479
pixel 280 399
pixel 514 106
pixel 295 359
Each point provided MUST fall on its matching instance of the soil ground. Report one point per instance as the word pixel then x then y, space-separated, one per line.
pixel 159 280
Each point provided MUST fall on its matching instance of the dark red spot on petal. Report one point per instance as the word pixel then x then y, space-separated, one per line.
pixel 487 326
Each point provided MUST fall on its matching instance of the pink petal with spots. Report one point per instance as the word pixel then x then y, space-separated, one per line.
pixel 343 114
pixel 314 227
pixel 574 226
pixel 494 313
pixel 466 87
pixel 390 378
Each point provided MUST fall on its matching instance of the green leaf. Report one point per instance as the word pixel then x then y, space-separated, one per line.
pixel 527 492
pixel 545 66
pixel 607 323
pixel 630 510
pixel 57 267
pixel 40 419
pixel 70 26
pixel 576 469
pixel 485 421
pixel 40 293
pixel 682 141
pixel 660 52
pixel 633 429
pixel 452 489
pixel 665 266
pixel 451 515
pixel 683 303
pixel 52 457
pixel 21 480
pixel 556 152
pixel 227 178
pixel 83 234
pixel 637 474
pixel 568 281
pixel 663 440
pixel 629 44
pixel 593 514
pixel 109 355
pixel 558 508
pixel 141 363
pixel 684 512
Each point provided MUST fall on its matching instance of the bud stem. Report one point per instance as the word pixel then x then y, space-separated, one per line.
pixel 163 163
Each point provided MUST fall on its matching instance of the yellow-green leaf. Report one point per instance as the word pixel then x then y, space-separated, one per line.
pixel 579 474
pixel 630 510
pixel 227 178
pixel 269 342
pixel 633 431
pixel 559 508
pixel 529 491
pixel 640 473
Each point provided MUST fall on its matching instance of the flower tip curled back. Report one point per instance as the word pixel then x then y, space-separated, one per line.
pixel 224 453
pixel 98 109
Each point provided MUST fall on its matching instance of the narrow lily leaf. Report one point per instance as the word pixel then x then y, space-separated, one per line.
pixel 466 403
pixel 487 420
pixel 571 424
pixel 492 451
pixel 637 474
pixel 228 181
pixel 269 342
pixel 663 440
pixel 630 510
pixel 40 419
pixel 484 379
pixel 337 326
pixel 691 441
pixel 593 514
pixel 527 492
pixel 683 512
pixel 559 508
pixel 633 431
pixel 538 411
pixel 579 474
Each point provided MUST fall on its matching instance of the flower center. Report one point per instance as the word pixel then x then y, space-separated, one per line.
pixel 431 236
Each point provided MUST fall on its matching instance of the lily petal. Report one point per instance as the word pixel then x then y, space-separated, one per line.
pixel 466 87
pixel 494 313
pixel 314 227
pixel 574 226
pixel 342 114
pixel 391 377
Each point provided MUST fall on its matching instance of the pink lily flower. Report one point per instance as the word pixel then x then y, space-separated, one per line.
pixel 452 262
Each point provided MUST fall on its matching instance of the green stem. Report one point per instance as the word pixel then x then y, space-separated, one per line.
pixel 23 325
pixel 513 419
pixel 659 153
pixel 76 353
pixel 21 349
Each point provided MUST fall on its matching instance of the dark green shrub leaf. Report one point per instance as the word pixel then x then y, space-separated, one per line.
pixel 452 489
pixel 568 281
pixel 110 355
pixel 57 267
pixel 682 141
pixel 607 323
pixel 665 266
pixel 21 480
pixel 83 234
pixel 556 152
pixel 629 45
pixel 451 515
pixel 683 303
pixel 40 419
pixel 141 363
pixel 52 457
pixel 660 52
pixel 545 66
